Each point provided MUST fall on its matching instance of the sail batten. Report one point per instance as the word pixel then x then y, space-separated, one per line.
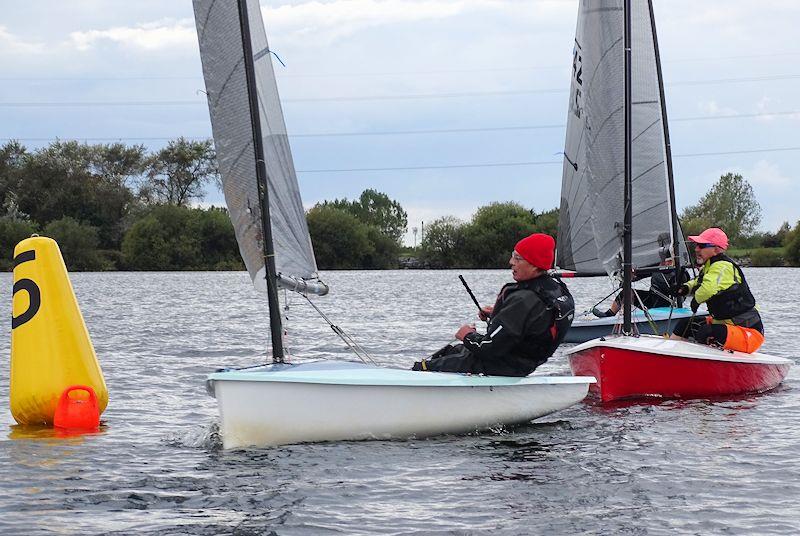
pixel 592 208
pixel 224 70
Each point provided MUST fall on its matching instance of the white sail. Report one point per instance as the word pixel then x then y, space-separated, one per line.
pixel 222 54
pixel 592 207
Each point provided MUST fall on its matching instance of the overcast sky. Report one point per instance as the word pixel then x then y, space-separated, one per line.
pixel 490 77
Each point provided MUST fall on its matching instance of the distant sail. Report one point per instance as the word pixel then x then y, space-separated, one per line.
pixel 221 52
pixel 592 211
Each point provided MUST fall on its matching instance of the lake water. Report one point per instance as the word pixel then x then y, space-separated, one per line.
pixel 691 467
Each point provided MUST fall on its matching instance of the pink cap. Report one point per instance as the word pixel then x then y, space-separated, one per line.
pixel 712 235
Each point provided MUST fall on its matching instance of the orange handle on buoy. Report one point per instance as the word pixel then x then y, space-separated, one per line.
pixel 75 413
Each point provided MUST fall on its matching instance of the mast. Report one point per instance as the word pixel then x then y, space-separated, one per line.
pixel 627 253
pixel 677 237
pixel 276 329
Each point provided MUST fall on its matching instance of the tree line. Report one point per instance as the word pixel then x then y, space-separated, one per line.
pixel 120 207
pixel 116 207
pixel 731 205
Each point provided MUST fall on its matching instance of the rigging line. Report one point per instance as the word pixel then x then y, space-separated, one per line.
pixel 540 163
pixel 351 343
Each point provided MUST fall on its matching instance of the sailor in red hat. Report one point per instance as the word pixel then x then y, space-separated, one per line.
pixel 525 326
pixel 734 322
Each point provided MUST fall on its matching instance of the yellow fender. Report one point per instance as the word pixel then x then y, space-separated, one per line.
pixel 50 346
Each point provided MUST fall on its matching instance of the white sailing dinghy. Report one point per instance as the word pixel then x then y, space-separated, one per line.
pixel 617 199
pixel 317 401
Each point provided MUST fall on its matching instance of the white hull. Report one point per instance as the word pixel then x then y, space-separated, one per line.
pixel 264 412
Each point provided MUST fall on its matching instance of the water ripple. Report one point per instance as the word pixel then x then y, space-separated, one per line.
pixel 157 466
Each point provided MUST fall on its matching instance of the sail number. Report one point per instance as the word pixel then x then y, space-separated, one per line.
pixel 29 286
pixel 576 102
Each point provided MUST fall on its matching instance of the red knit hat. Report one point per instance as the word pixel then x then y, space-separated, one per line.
pixel 538 249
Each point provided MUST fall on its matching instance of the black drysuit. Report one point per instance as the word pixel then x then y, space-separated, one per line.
pixel 522 334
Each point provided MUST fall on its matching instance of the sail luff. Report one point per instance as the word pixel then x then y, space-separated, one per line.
pixel 276 327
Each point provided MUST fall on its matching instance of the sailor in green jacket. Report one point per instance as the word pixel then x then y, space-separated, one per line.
pixel 734 322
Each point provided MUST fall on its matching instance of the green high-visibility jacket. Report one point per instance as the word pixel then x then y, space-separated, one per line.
pixel 717 276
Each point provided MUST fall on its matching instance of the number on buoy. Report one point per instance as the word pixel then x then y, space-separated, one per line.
pixel 30 286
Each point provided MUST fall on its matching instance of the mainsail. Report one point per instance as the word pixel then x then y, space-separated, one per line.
pixel 592 207
pixel 220 34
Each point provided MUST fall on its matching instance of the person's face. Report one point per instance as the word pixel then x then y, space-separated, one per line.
pixel 521 270
pixel 703 252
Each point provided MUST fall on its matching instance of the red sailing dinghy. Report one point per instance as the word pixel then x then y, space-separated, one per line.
pixel 618 209
pixel 650 366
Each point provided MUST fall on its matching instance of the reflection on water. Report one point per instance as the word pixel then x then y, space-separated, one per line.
pixel 18 431
pixel 156 465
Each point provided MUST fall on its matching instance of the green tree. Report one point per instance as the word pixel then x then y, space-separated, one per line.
pixel 11 158
pixel 165 239
pixel 376 209
pixel 443 243
pixel 178 173
pixel 12 231
pixel 730 205
pixel 340 240
pixel 792 246
pixel 546 222
pixel 78 243
pixel 384 251
pixel 85 182
pixel 768 239
pixel 494 231
pixel 218 245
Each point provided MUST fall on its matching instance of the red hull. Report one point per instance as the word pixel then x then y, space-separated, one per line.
pixel 623 373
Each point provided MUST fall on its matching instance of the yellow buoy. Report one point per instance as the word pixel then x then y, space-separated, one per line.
pixel 50 346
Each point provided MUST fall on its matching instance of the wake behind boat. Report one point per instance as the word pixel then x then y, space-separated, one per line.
pixel 329 401
pixel 285 403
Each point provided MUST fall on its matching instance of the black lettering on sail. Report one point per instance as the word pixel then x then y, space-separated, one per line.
pixel 577 74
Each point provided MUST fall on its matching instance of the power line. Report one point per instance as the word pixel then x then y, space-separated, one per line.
pixel 743 151
pixel 283 74
pixel 53 104
pixel 535 163
pixel 417 131
pixel 85 104
pixel 523 127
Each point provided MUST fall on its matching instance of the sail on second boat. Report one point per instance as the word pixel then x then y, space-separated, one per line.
pixel 592 209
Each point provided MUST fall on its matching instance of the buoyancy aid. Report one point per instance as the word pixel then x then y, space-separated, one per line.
pixel 560 302
pixel 732 301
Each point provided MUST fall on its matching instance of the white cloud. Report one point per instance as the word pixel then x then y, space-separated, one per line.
pixel 768 175
pixel 11 45
pixel 712 108
pixel 328 21
pixel 767 105
pixel 150 36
